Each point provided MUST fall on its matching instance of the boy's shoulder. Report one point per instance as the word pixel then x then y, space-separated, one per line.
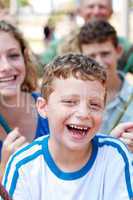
pixel 109 142
pixel 114 151
pixel 29 152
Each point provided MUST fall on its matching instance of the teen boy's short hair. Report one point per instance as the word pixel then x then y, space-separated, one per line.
pixel 77 65
pixel 97 31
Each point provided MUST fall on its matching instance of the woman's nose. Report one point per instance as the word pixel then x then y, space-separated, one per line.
pixel 4 64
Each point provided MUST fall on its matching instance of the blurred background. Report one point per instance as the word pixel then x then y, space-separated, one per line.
pixel 32 15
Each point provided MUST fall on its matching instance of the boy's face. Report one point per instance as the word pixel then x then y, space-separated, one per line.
pixel 104 53
pixel 74 110
pixel 95 9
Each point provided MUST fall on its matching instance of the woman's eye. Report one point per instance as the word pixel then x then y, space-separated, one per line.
pixel 14 56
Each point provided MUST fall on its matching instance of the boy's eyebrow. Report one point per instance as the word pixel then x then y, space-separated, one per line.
pixel 70 96
pixel 97 98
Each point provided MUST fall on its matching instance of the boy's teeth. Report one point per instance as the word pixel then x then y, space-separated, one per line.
pixel 7 79
pixel 79 127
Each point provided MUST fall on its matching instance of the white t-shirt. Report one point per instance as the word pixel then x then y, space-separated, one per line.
pixel 32 174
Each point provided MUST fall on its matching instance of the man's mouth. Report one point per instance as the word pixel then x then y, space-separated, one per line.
pixel 8 79
pixel 78 129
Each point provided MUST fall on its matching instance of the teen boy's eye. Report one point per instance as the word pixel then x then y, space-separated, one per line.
pixel 105 53
pixel 92 56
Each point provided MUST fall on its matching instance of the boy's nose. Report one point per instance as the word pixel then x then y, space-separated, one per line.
pixel 83 111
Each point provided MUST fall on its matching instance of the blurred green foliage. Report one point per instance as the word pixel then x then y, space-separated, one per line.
pixel 6 3
pixel 23 2
pixel 131 4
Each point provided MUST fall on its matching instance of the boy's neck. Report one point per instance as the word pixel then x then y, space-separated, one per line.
pixel 68 160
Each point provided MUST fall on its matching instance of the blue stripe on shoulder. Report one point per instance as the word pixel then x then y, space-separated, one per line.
pixel 118 145
pixel 22 162
pixel 36 142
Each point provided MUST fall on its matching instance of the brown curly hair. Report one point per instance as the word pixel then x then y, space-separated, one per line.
pixel 77 65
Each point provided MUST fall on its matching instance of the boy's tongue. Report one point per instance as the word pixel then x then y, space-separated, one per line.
pixel 77 132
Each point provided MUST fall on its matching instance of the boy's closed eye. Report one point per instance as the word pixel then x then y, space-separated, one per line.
pixel 95 107
pixel 92 106
pixel 69 102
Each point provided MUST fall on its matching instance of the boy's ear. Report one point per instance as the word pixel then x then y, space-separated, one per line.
pixel 41 107
pixel 120 51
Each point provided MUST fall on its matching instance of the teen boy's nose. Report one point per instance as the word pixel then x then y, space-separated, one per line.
pixel 4 64
pixel 100 59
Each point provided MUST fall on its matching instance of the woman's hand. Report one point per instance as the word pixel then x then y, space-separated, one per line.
pixel 124 132
pixel 12 142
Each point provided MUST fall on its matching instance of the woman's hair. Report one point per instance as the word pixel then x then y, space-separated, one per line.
pixel 30 81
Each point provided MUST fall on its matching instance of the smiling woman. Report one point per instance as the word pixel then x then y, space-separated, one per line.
pixel 18 81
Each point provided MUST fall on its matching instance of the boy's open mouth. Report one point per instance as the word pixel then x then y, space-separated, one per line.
pixel 78 129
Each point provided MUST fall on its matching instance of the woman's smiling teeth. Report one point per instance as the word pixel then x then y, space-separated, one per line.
pixel 9 78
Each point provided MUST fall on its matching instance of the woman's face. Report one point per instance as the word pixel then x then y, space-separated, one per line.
pixel 12 65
